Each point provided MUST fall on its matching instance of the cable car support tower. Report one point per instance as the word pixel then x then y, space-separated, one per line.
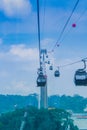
pixel 42 78
pixel 43 90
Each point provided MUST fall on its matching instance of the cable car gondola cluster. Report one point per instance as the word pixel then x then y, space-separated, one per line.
pixel 80 76
pixel 42 78
pixel 56 73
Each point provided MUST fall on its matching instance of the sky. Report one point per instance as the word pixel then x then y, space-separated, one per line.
pixel 19 58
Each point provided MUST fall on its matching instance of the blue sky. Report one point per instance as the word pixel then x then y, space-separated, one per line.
pixel 19 44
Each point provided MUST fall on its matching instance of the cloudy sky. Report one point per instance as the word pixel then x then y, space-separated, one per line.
pixel 19 44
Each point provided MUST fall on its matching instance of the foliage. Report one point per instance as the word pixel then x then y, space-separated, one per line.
pixel 76 103
pixel 10 102
pixel 37 119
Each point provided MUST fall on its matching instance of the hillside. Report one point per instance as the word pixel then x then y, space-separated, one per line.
pixel 76 104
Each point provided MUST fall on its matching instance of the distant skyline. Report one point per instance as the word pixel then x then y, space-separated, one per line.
pixel 19 59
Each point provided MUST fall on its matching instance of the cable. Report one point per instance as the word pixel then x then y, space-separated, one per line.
pixel 65 25
pixel 44 13
pixel 84 11
pixel 62 66
pixel 76 21
pixel 39 40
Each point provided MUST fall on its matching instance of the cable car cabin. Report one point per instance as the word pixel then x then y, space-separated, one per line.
pixel 48 62
pixel 41 80
pixel 80 78
pixel 57 73
pixel 46 56
pixel 51 67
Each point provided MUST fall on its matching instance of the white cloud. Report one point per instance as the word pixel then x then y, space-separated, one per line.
pixel 22 87
pixel 47 41
pixel 22 52
pixel 4 74
pixel 15 8
pixel 19 53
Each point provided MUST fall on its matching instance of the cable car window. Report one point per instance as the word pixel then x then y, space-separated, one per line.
pixel 80 77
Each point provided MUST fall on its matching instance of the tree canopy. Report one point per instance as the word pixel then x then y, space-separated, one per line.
pixel 37 119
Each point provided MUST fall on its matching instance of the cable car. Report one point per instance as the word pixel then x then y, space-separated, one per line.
pixel 48 62
pixel 46 56
pixel 57 73
pixel 80 77
pixel 41 80
pixel 51 67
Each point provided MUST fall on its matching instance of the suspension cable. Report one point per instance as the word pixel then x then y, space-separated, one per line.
pixel 39 40
pixel 65 25
pixel 76 21
pixel 62 66
pixel 44 16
